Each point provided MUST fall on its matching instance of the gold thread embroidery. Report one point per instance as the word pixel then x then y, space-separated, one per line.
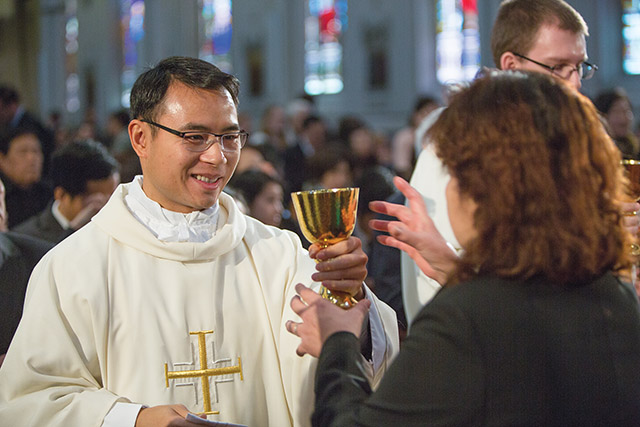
pixel 204 372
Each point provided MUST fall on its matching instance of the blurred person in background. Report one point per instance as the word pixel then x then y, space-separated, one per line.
pixel 251 157
pixel 312 139
pixel 18 255
pixel 83 175
pixel 13 115
pixel 329 168
pixel 615 107
pixel 21 162
pixel 263 194
pixel 403 142
pixel 273 137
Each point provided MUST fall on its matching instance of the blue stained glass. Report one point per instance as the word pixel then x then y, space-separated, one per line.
pixel 216 31
pixel 132 30
pixel 325 23
pixel 457 41
pixel 631 36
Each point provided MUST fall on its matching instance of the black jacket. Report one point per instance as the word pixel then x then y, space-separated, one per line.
pixel 18 255
pixel 498 353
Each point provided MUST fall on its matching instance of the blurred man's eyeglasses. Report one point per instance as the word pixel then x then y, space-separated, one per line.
pixel 585 70
pixel 199 141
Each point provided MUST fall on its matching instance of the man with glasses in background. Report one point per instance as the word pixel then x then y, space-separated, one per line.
pixel 171 297
pixel 547 36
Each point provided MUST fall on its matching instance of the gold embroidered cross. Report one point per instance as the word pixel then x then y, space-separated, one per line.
pixel 204 372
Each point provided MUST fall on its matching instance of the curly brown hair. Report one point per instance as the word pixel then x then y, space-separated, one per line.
pixel 546 178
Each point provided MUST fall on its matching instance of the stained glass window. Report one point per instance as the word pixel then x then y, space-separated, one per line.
pixel 132 31
pixel 215 32
pixel 72 81
pixel 631 36
pixel 457 40
pixel 325 23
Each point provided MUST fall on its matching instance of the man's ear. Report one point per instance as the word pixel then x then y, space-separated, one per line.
pixel 58 193
pixel 508 61
pixel 140 136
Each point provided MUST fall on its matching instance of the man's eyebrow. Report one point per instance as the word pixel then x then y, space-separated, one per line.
pixel 201 127
pixel 564 60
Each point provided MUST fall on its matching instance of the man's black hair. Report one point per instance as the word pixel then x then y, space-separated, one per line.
pixel 76 163
pixel 8 136
pixel 151 86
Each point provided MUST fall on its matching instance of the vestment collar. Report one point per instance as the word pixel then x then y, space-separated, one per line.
pixel 170 226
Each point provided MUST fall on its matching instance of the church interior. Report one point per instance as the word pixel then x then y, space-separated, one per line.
pixel 78 58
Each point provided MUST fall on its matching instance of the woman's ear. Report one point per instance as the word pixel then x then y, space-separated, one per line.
pixel 139 135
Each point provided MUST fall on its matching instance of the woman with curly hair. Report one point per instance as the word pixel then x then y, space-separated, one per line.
pixel 534 325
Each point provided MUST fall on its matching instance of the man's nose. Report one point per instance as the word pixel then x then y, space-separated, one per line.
pixel 575 80
pixel 214 153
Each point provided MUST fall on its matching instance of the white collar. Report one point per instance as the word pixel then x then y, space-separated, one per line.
pixel 170 226
pixel 62 220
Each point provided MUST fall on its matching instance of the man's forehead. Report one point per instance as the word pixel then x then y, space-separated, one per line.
pixel 179 96
pixel 556 45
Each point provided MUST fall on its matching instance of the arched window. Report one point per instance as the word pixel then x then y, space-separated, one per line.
pixel 215 26
pixel 631 36
pixel 325 22
pixel 457 40
pixel 132 28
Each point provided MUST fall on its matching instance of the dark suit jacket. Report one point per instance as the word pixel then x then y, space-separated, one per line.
pixel 18 255
pixel 295 168
pixel 23 204
pixel 43 226
pixel 384 268
pixel 500 353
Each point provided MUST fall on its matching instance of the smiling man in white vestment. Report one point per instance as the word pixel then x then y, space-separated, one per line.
pixel 171 300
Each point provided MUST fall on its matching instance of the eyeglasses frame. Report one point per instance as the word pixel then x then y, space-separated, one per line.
pixel 217 135
pixel 594 67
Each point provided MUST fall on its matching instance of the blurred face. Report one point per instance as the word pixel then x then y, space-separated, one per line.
pixel 554 46
pixel 3 210
pixel 250 158
pixel 620 118
pixel 337 177
pixel 267 206
pixel 461 210
pixel 316 133
pixel 420 115
pixel 23 162
pixel 6 112
pixel 98 192
pixel 113 126
pixel 178 179
pixel 362 143
pixel 276 121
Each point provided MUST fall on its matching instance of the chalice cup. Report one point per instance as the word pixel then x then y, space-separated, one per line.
pixel 328 217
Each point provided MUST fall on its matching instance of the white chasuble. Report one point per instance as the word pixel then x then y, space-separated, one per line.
pixel 113 314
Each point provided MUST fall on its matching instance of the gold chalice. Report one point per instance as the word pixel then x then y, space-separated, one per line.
pixel 327 217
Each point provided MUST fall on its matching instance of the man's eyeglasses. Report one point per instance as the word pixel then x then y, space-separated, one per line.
pixel 585 70
pixel 199 141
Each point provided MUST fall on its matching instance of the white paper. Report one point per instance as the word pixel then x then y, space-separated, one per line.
pixel 193 418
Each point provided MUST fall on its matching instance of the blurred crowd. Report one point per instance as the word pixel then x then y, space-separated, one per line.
pixel 56 177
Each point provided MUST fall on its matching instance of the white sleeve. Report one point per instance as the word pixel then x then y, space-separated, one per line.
pixel 122 415
pixel 430 178
pixel 384 337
